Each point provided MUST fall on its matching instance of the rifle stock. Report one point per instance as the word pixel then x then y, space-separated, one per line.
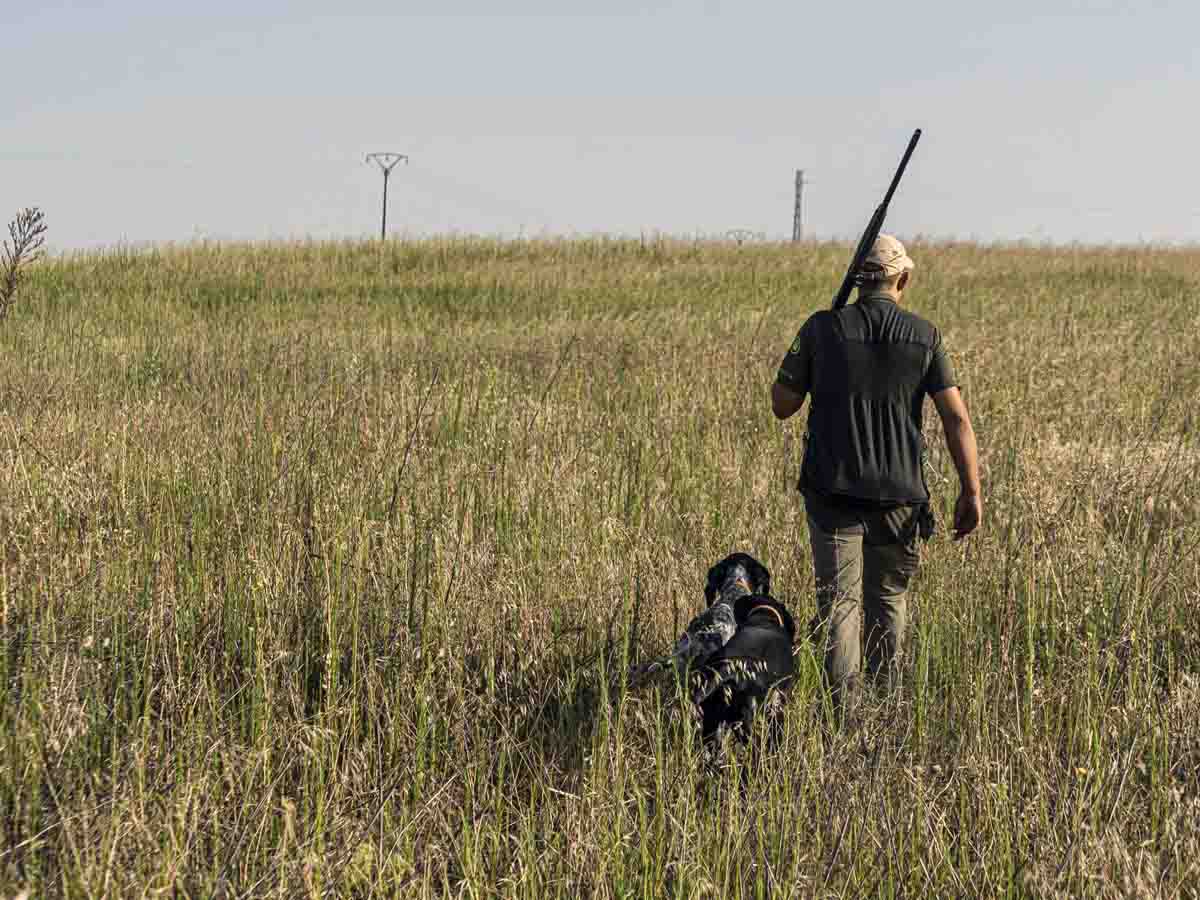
pixel 867 241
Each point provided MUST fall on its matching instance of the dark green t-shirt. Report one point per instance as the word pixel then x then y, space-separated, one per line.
pixel 867 367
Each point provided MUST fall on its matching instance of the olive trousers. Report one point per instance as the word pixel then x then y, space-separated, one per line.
pixel 863 559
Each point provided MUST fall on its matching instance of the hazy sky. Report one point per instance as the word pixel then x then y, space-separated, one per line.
pixel 133 121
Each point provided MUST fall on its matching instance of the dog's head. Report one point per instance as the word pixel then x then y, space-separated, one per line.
pixel 736 576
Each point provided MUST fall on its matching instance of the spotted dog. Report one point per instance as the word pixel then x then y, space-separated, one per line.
pixel 737 654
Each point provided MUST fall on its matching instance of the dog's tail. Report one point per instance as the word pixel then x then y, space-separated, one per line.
pixel 645 673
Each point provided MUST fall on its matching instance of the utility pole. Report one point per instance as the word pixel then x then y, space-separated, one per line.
pixel 386 162
pixel 798 210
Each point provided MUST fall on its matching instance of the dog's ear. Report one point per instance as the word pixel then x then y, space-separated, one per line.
pixel 761 576
pixel 713 582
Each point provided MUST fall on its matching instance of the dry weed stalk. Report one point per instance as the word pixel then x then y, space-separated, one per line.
pixel 28 233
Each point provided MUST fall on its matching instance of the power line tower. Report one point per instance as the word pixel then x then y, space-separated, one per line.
pixel 798 209
pixel 386 162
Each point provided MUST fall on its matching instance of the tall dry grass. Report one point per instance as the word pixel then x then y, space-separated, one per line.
pixel 321 563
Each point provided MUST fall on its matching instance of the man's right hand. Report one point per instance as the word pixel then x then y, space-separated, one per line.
pixel 967 513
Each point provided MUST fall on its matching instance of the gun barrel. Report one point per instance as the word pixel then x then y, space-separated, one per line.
pixel 912 145
pixel 874 227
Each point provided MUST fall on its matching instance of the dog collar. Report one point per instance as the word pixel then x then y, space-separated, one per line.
pixel 772 610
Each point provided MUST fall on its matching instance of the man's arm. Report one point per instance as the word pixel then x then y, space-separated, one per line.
pixel 785 402
pixel 960 440
pixel 792 382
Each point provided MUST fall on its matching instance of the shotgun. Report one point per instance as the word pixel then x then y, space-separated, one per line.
pixel 854 273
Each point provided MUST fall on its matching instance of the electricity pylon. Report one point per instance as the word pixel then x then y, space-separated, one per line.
pixel 386 162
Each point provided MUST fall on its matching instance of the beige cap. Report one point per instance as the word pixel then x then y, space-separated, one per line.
pixel 886 259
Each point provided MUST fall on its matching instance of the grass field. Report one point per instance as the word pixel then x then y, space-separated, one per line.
pixel 320 566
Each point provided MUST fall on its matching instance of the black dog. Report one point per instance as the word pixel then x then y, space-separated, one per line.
pixel 737 654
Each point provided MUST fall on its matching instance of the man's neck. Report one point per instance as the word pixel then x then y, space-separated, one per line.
pixel 880 294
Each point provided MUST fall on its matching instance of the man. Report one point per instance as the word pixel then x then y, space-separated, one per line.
pixel 868 368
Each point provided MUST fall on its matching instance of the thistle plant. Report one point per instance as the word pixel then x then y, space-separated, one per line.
pixel 28 234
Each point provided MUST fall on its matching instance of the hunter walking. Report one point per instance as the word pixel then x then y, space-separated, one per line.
pixel 867 368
